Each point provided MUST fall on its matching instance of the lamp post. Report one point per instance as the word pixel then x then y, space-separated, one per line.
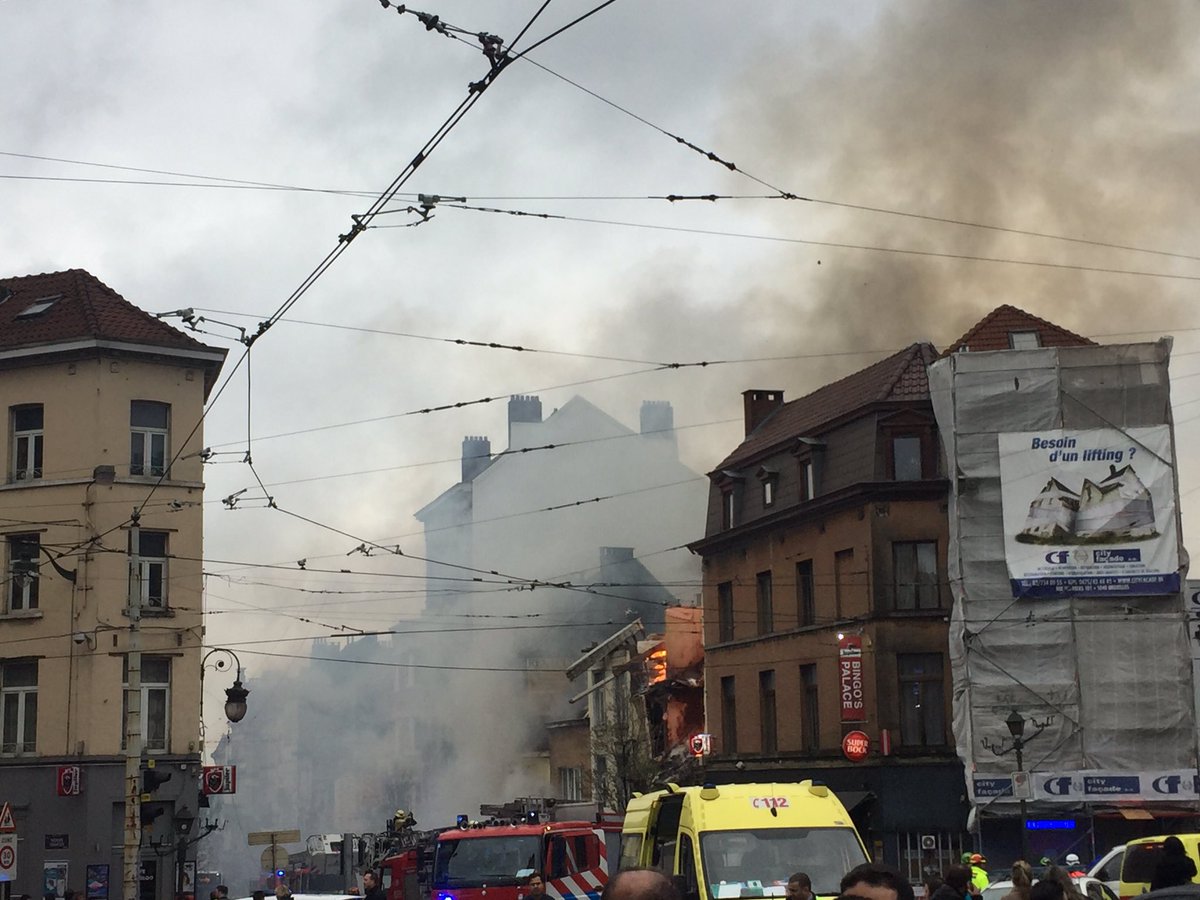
pixel 235 696
pixel 1016 727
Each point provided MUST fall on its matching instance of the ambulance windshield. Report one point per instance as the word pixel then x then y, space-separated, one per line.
pixel 757 862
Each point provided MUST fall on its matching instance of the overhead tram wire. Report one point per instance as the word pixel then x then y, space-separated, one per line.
pixel 836 245
pixel 499 61
pixel 790 195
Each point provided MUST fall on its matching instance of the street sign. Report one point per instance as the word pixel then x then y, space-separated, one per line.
pixel 274 857
pixel 70 781
pixel 700 744
pixel 6 818
pixel 273 837
pixel 219 780
pixel 8 857
pixel 1022 786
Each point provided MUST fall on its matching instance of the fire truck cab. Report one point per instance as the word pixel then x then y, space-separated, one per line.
pixel 494 860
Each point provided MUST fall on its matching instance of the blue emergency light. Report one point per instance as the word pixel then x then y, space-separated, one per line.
pixel 1050 824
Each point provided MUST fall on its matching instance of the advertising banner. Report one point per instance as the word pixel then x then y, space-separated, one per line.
pixel 1089 512
pixel 1094 787
pixel 850 668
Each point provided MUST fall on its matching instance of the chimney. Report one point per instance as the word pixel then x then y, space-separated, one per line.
pixel 612 556
pixel 476 456
pixel 759 404
pixel 522 408
pixel 658 419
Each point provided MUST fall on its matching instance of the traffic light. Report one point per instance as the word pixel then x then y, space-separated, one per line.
pixel 151 781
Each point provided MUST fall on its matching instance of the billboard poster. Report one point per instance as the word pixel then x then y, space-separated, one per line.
pixel 54 878
pixel 850 668
pixel 97 881
pixel 1089 512
pixel 1175 786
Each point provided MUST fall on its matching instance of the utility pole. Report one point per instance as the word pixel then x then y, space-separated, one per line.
pixel 133 720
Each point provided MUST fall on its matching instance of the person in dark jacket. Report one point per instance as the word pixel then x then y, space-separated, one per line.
pixel 373 890
pixel 1175 867
pixel 956 884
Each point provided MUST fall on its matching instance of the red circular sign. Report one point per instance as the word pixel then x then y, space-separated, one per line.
pixel 856 745
pixel 7 857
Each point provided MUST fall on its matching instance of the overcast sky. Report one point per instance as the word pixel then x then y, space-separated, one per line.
pixel 1070 119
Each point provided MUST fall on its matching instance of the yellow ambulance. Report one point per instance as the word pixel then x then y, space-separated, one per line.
pixel 736 841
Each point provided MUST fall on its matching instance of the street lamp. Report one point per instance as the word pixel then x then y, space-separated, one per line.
pixel 235 696
pixel 1016 727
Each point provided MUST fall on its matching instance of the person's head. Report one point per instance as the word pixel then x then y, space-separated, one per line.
pixel 222 890
pixel 370 880
pixel 1072 859
pixel 875 881
pixel 1173 846
pixel 1022 875
pixel 212 895
pixel 258 895
pixel 799 886
pixel 978 859
pixel 282 891
pixel 965 859
pixel 958 877
pixel 535 886
pixel 1046 889
pixel 639 884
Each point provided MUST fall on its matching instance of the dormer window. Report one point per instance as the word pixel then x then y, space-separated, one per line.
pixel 1024 340
pixel 906 457
pixel 728 503
pixel 770 485
pixel 808 480
pixel 37 307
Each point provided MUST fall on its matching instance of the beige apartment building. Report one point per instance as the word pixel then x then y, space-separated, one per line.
pixel 103 402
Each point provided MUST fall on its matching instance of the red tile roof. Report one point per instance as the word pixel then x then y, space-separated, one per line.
pixel 900 377
pixel 85 308
pixel 992 331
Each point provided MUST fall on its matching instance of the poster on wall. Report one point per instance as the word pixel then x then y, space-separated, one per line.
pixel 97 882
pixel 1089 512
pixel 54 878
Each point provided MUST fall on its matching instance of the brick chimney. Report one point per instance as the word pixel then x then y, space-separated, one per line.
pixel 476 456
pixel 759 404
pixel 522 408
pixel 658 419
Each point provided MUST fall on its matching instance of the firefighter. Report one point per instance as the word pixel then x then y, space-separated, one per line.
pixel 979 876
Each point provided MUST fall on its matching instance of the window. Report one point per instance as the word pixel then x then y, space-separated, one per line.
pixel 27 442
pixel 810 721
pixel 152 556
pixel 915 575
pixel 808 484
pixel 922 700
pixel 806 601
pixel 727 509
pixel 19 693
pixel 570 783
pixel 728 715
pixel 149 424
pixel 843 574
pixel 1024 340
pixel 156 702
pixel 768 724
pixel 23 572
pixel 770 485
pixel 725 630
pixel 766 614
pixel 906 458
